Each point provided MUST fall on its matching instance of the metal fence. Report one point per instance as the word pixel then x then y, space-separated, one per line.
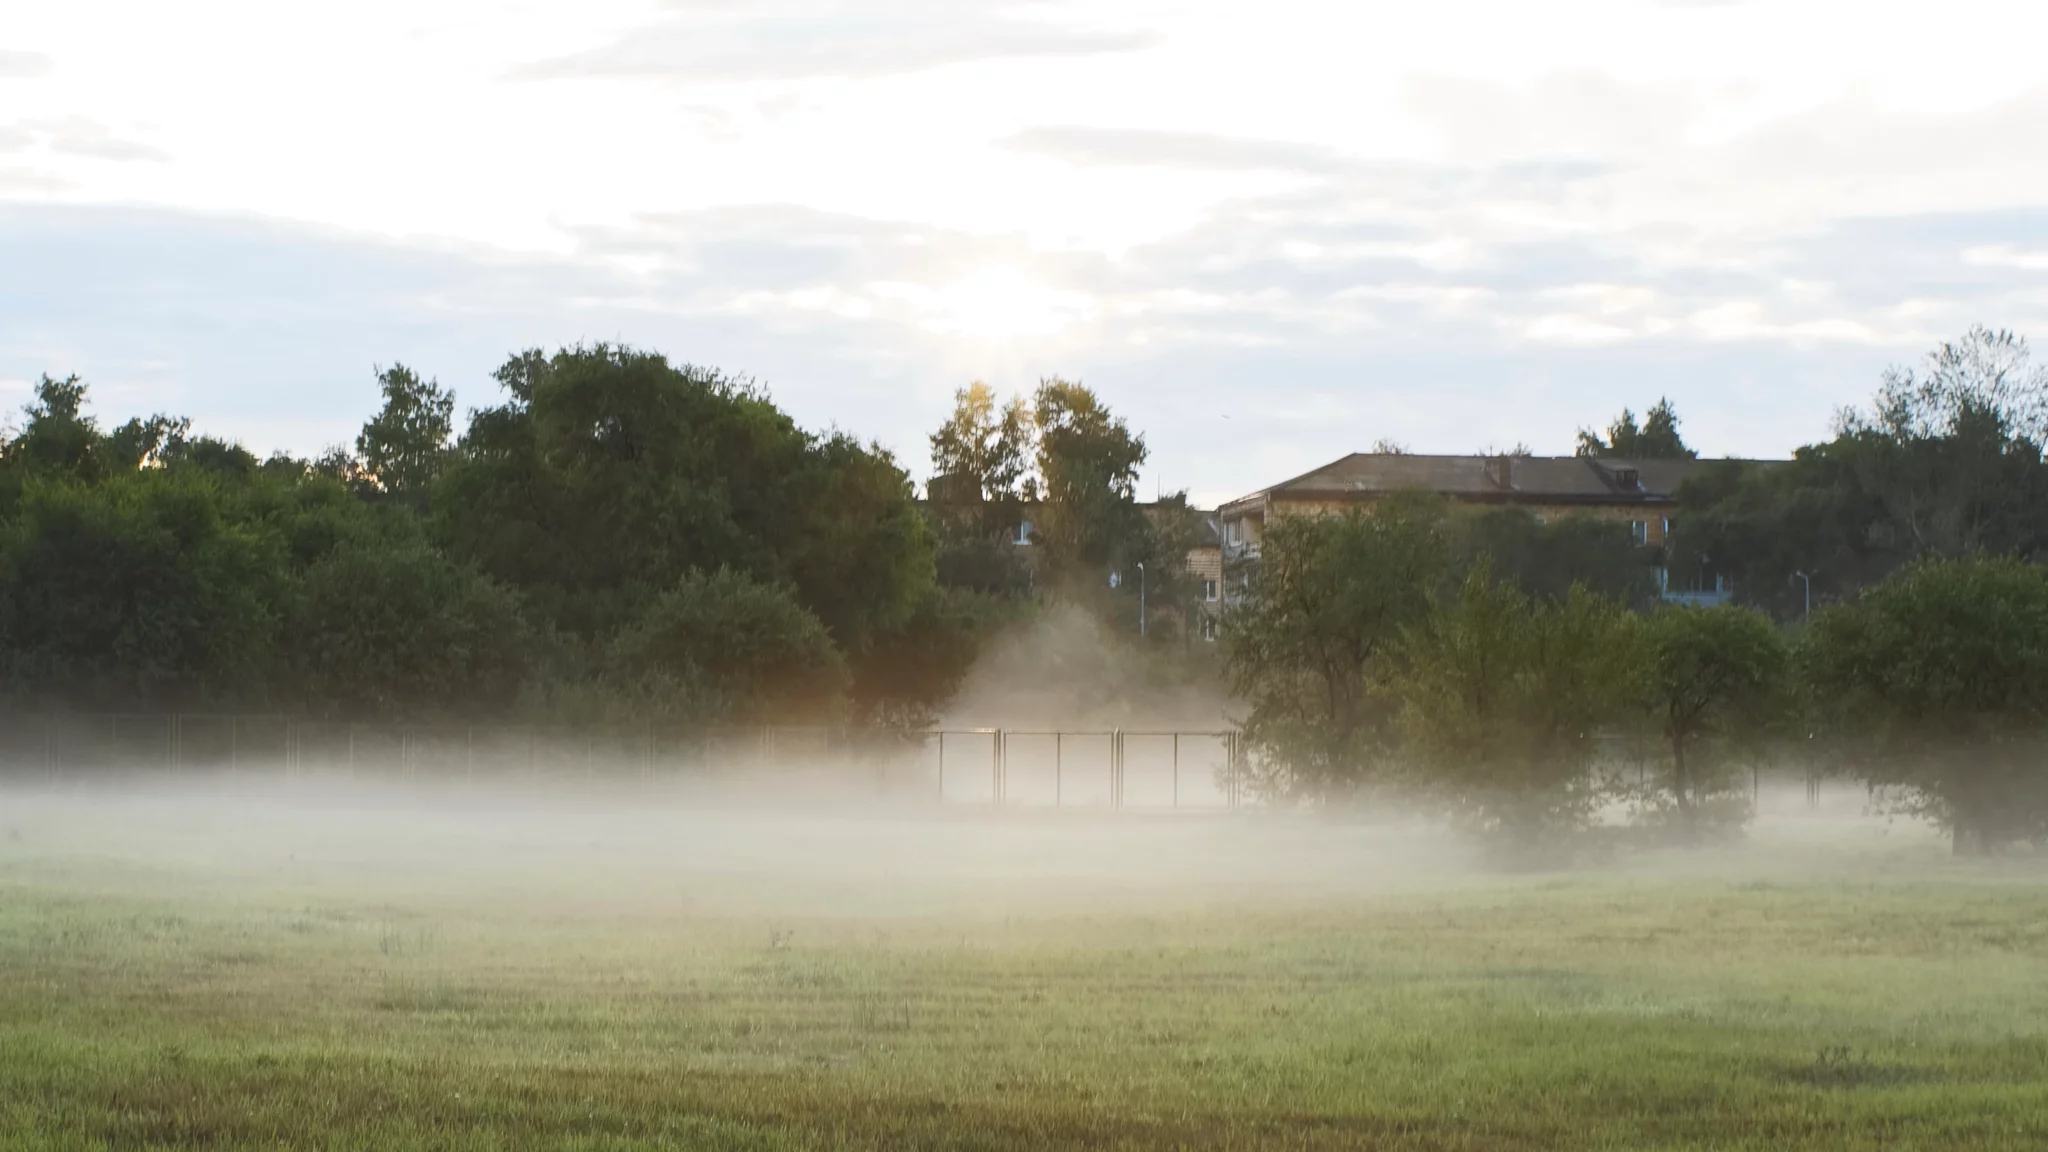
pixel 1106 769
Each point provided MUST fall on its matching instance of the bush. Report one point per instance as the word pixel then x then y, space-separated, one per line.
pixel 401 630
pixel 732 649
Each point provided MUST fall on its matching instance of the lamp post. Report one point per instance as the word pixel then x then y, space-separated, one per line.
pixel 1141 599
pixel 1808 581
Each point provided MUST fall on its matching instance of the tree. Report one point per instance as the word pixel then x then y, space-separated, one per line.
pixel 1944 462
pixel 980 489
pixel 147 443
pixel 1656 439
pixel 143 591
pixel 59 439
pixel 1987 373
pixel 903 677
pixel 1306 648
pixel 404 445
pixel 987 452
pixel 395 629
pixel 735 650
pixel 1088 466
pixel 609 474
pixel 861 556
pixel 1548 559
pixel 1937 680
pixel 1500 697
pixel 1709 677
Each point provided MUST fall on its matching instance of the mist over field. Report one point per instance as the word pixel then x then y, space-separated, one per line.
pixel 761 844
pixel 327 962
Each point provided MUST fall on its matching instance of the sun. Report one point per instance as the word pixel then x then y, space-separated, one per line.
pixel 1001 304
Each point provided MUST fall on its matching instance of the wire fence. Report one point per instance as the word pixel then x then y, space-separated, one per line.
pixel 1105 769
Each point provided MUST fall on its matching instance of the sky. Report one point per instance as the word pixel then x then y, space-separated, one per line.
pixel 1267 234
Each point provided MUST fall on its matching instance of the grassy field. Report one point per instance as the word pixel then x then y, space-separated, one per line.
pixel 191 974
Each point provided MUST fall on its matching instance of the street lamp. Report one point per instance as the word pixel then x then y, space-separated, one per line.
pixel 1808 581
pixel 1141 599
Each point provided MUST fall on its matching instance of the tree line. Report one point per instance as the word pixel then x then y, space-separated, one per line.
pixel 617 539
pixel 1402 650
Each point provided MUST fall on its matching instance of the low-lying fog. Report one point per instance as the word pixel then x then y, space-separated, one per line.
pixel 598 850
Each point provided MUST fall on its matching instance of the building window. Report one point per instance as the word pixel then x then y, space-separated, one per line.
pixel 1230 532
pixel 1667 527
pixel 1023 539
pixel 1208 628
pixel 1640 529
pixel 1209 590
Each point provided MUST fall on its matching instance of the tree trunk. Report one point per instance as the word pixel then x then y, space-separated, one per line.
pixel 1965 837
pixel 1681 781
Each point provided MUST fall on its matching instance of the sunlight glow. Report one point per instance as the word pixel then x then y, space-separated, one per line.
pixel 1000 304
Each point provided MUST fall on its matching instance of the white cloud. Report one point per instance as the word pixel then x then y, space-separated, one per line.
pixel 23 65
pixel 2005 256
pixel 1188 202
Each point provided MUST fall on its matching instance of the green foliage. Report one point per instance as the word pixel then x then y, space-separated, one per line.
pixel 396 629
pixel 1549 559
pixel 146 442
pixel 905 675
pixel 406 443
pixel 986 454
pixel 981 490
pixel 1937 681
pixel 1501 699
pixel 1946 461
pixel 1711 681
pixel 609 474
pixel 857 552
pixel 1306 650
pixel 139 591
pixel 58 441
pixel 734 650
pixel 1656 439
pixel 152 568
pixel 1088 462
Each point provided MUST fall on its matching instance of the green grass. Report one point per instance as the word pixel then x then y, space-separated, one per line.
pixel 151 1000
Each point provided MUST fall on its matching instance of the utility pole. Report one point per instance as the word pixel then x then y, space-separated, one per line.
pixel 1141 598
pixel 1808 581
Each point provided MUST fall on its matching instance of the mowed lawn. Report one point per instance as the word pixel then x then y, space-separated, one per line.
pixel 170 1003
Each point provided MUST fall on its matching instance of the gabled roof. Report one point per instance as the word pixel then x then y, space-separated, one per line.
pixel 1533 479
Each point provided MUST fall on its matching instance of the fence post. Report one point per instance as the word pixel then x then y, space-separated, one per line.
pixel 1116 768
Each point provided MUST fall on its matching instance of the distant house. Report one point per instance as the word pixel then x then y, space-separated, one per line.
pixel 1205 564
pixel 1639 493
